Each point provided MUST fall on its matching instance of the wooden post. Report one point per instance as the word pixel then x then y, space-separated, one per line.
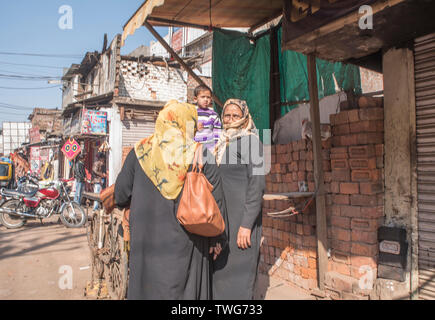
pixel 322 244
pixel 180 61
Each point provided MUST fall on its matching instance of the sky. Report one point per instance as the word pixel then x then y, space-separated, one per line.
pixel 29 28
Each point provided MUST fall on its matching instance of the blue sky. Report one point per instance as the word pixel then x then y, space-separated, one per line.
pixel 28 26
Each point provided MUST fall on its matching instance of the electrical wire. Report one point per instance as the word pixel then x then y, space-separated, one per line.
pixel 40 55
pixel 37 88
pixel 31 65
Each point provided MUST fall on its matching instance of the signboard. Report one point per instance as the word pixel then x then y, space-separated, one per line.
pixel 34 135
pixel 94 122
pixel 71 149
pixel 301 17
pixel 35 161
pixel 177 40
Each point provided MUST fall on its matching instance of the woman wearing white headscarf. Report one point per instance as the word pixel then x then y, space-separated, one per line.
pixel 240 162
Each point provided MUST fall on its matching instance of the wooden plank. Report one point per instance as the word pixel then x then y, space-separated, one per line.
pixel 286 196
pixel 180 61
pixel 322 244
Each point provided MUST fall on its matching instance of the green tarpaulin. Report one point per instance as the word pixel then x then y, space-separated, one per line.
pixel 241 69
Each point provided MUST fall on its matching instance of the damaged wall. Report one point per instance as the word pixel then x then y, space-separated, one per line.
pixel 146 81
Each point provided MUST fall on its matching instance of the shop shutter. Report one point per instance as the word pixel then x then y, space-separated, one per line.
pixel 424 52
pixel 135 130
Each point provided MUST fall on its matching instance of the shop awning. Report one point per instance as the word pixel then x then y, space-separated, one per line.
pixel 202 13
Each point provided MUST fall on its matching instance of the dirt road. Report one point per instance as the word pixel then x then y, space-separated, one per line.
pixel 46 261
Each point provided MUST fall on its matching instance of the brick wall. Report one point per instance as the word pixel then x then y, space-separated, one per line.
pixel 353 164
pixel 146 81
pixel 289 245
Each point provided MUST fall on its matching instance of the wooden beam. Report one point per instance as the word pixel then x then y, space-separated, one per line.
pixel 322 245
pixel 180 61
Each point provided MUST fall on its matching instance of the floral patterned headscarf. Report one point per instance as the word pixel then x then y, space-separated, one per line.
pixel 243 127
pixel 166 155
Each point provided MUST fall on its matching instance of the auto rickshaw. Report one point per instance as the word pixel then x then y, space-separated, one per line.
pixel 6 173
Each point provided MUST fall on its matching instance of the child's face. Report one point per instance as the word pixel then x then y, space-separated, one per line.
pixel 203 100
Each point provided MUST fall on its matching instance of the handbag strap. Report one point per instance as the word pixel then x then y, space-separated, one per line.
pixel 197 158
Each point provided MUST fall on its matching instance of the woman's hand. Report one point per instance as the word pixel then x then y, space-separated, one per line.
pixel 217 250
pixel 244 238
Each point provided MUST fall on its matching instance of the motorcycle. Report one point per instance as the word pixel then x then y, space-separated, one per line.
pixel 40 203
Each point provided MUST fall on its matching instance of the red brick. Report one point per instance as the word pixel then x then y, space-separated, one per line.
pixel 326 144
pixel 342 222
pixel 341 234
pixel 326 155
pixel 341 268
pixel 342 118
pixel 326 165
pixel 309 241
pixel 312 263
pixel 294 176
pixel 370 237
pixel 308 230
pixel 379 150
pixel 350 211
pixel 366 126
pixel 293 166
pixel 280 148
pixel 366 163
pixel 335 187
pixel 340 130
pixel 349 188
pixel 302 175
pixel 340 199
pixel 362 151
pixel 341 175
pixel 340 164
pixel 295 156
pixel 366 175
pixel 339 156
pixel 353 115
pixel 364 224
pixel 332 119
pixel 363 200
pixel 308 273
pixel 347 140
pixel 293 187
pixel 301 165
pixel 370 188
pixel 358 261
pixel 295 146
pixel 339 150
pixel 343 246
pixel 371 114
pixel 370 138
pixel 299 229
pixel 303 155
pixel 372 212
pixel 340 257
pixel 309 165
pixel 309 155
pixel 363 249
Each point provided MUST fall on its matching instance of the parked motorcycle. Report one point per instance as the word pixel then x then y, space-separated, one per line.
pixel 41 203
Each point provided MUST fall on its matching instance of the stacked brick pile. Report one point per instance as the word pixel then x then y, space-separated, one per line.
pixel 289 246
pixel 356 200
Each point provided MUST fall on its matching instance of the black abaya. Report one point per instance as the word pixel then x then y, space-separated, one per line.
pixel 243 180
pixel 166 261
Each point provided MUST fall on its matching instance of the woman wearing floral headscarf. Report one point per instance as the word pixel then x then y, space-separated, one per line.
pixel 241 165
pixel 166 261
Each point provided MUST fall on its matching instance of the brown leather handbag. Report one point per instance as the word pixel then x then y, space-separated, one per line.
pixel 198 211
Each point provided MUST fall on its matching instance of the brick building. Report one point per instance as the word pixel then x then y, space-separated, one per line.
pixel 130 90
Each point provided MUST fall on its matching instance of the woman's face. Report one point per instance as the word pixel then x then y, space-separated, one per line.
pixel 232 114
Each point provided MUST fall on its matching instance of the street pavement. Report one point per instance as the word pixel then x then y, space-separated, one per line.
pixel 52 262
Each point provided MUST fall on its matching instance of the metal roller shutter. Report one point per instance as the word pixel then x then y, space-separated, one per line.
pixel 135 130
pixel 425 103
